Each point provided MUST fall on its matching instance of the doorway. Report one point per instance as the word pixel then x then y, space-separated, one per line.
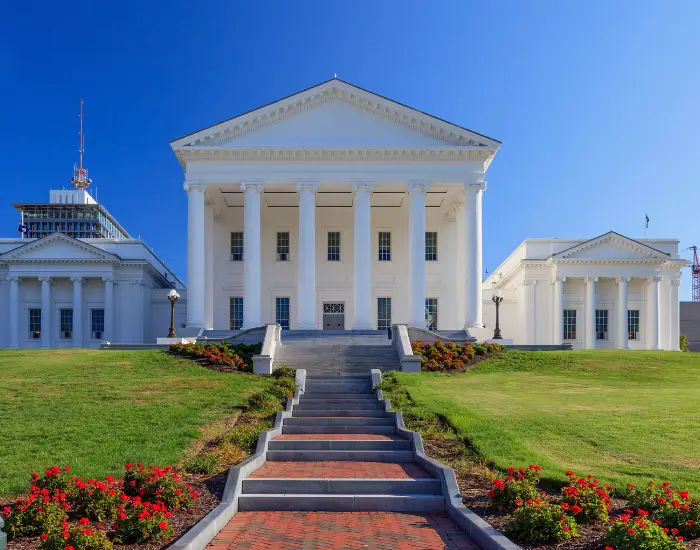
pixel 334 316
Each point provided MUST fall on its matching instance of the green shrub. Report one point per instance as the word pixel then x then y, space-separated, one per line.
pixel 32 516
pixel 96 500
pixel 540 521
pixel 139 522
pixel 245 436
pixel 203 463
pixel 54 479
pixel 674 509
pixel 640 533
pixel 285 372
pixel 684 343
pixel 515 490
pixel 283 388
pixel 80 536
pixel 263 400
pixel 585 499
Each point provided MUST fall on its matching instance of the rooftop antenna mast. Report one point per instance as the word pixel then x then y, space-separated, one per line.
pixel 80 175
pixel 695 269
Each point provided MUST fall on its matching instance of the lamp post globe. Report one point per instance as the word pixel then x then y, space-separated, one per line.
pixel 173 296
pixel 497 298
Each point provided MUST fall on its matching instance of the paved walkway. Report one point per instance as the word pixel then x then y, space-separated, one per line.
pixel 340 530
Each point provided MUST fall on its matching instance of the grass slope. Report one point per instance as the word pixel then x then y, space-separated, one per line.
pixel 626 416
pixel 97 410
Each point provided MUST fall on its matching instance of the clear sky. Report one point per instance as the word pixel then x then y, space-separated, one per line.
pixel 597 103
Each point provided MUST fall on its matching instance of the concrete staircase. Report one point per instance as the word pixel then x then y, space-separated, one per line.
pixel 339 452
pixel 336 354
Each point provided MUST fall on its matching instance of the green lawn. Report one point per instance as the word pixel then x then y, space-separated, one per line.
pixel 623 416
pixel 97 410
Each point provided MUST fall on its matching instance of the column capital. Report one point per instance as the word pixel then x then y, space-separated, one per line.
pixel 191 185
pixel 76 278
pixel 624 279
pixel 13 278
pixel 362 185
pixel 45 278
pixel 675 282
pixel 591 279
pixel 421 186
pixel 108 279
pixel 475 182
pixel 559 279
pixel 252 185
pixel 530 282
pixel 307 185
pixel 657 278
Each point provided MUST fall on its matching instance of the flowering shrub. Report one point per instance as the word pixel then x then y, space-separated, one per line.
pixel 97 500
pixel 670 508
pixel 55 478
pixel 157 484
pixel 585 499
pixel 139 521
pixel 640 533
pixel 519 487
pixel 450 356
pixel 38 513
pixel 80 536
pixel 539 521
pixel 238 356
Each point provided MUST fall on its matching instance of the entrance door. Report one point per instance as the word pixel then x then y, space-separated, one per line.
pixel 334 316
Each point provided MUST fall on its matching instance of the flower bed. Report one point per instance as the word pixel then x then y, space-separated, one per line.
pixel 233 357
pixel 69 513
pixel 448 356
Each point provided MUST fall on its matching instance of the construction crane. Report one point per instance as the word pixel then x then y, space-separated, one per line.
pixel 695 269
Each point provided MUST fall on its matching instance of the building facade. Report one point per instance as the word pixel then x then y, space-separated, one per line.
pixel 334 208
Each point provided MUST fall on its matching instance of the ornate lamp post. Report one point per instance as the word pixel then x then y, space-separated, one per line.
pixel 173 296
pixel 497 299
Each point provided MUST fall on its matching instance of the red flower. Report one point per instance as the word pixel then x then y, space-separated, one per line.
pixel 631 531
pixel 43 537
pixel 6 511
pixel 69 548
pixel 129 466
pixel 84 521
pixel 66 468
pixel 163 525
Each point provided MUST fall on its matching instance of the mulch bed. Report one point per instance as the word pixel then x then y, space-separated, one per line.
pixel 211 490
pixel 474 486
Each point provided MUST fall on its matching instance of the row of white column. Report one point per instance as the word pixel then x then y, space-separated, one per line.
pixel 654 311
pixel 77 328
pixel 362 260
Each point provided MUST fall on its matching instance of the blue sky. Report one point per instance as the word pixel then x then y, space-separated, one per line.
pixel 597 103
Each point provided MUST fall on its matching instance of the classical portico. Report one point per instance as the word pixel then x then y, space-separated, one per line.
pixel 334 201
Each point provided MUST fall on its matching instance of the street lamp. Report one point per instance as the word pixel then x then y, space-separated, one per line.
pixel 173 296
pixel 497 299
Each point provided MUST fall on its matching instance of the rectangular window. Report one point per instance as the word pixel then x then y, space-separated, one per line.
pixel 236 246
pixel 283 246
pixel 633 324
pixel 97 323
pixel 569 324
pixel 601 324
pixel 236 312
pixel 431 313
pixel 35 323
pixel 384 246
pixel 431 246
pixel 383 313
pixel 334 246
pixel 66 323
pixel 282 312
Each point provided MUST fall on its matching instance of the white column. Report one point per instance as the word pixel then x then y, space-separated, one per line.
pixel 674 316
pixel 252 271
pixel 306 285
pixel 558 313
pixel 362 257
pixel 529 314
pixel 416 253
pixel 196 246
pixel 108 334
pixel 654 312
pixel 45 312
pixel 590 312
pixel 622 307
pixel 77 338
pixel 209 269
pixel 447 255
pixel 472 226
pixel 14 320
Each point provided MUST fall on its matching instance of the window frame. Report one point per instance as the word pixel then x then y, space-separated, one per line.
pixel 602 320
pixel 330 246
pixel 432 302
pixel 278 318
pixel 566 322
pixel 434 254
pixel 93 311
pixel 34 323
pixel 281 255
pixel 232 310
pixel 384 321
pixel 239 255
pixel 61 329
pixel 384 250
pixel 636 336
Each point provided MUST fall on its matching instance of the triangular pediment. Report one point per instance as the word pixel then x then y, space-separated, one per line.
pixel 57 247
pixel 611 246
pixel 335 114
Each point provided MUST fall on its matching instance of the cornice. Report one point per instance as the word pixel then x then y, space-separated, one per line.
pixel 611 237
pixel 609 261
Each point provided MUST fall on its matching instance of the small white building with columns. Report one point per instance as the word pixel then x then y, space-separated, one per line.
pixel 334 208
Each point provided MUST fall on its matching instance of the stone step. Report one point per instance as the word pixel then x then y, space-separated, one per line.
pixel 356 486
pixel 338 429
pixel 340 445
pixel 310 394
pixel 324 413
pixel 329 404
pixel 338 421
pixel 341 502
pixel 344 456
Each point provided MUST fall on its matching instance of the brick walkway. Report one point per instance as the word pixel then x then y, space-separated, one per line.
pixel 337 531
pixel 341 469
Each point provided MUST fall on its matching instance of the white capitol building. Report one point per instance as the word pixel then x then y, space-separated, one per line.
pixel 336 208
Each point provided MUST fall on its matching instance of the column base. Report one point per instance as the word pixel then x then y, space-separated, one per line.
pixel 474 324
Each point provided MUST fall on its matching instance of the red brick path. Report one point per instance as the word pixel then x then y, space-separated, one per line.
pixel 344 469
pixel 337 531
pixel 339 437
